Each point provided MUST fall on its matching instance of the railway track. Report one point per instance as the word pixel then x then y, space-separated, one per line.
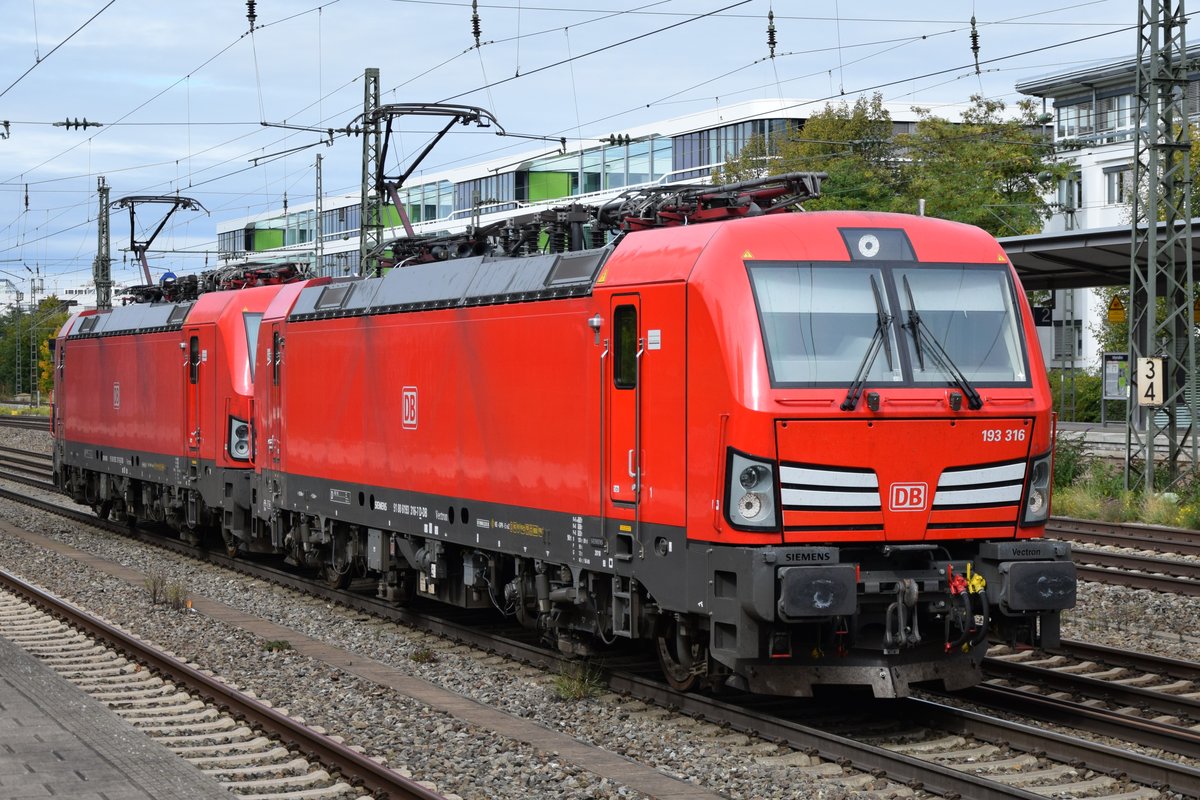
pixel 945 749
pixel 1151 699
pixel 1181 541
pixel 1138 571
pixel 25 421
pixel 250 747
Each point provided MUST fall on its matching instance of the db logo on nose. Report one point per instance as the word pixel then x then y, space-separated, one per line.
pixel 909 496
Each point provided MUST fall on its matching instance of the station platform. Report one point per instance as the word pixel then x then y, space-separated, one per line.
pixel 1108 440
pixel 56 741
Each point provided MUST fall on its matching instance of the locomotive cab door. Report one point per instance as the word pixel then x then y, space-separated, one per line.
pixel 274 411
pixel 624 396
pixel 623 450
pixel 194 357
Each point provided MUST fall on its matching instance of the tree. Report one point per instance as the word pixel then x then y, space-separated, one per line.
pixel 852 144
pixel 986 170
pixel 25 334
pixel 44 325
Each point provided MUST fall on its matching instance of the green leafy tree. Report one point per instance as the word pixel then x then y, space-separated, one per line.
pixel 25 334
pixel 988 170
pixel 10 324
pixel 853 144
pixel 45 323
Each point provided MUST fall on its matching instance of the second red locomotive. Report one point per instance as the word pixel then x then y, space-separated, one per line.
pixel 787 449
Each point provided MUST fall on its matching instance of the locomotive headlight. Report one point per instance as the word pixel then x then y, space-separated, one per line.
pixel 750 506
pixel 239 439
pixel 750 502
pixel 1037 491
pixel 752 476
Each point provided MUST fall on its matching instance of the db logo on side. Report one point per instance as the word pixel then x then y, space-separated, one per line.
pixel 909 496
pixel 408 400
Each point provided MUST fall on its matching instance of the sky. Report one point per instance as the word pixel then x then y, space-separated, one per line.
pixel 183 90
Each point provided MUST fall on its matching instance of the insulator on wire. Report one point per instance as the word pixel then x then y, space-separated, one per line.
pixel 250 15
pixel 975 43
pixel 771 31
pixel 475 27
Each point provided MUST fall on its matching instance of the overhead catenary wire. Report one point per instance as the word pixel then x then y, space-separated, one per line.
pixel 227 174
pixel 39 59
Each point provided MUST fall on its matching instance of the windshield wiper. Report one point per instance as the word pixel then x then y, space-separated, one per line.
pixel 921 335
pixel 878 340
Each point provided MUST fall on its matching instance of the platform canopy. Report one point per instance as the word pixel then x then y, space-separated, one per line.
pixel 1074 259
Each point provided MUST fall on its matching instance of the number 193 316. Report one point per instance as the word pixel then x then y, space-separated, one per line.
pixel 1004 434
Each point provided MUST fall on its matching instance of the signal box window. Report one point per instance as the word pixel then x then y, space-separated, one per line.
pixel 625 346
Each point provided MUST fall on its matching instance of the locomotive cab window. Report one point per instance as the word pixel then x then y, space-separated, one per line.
pixel 625 347
pixel 821 323
pixel 252 323
pixel 193 359
pixel 971 313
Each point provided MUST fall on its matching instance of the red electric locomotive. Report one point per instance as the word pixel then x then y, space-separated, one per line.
pixel 152 410
pixel 788 449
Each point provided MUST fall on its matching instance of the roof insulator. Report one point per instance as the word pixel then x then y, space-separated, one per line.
pixel 975 43
pixel 771 31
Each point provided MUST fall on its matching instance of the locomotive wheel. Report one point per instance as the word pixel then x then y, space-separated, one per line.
pixel 683 671
pixel 102 510
pixel 333 578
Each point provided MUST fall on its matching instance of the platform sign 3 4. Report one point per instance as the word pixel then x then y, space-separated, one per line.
pixel 1150 385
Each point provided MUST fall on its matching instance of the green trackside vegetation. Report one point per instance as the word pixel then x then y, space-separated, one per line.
pixel 19 327
pixel 1088 487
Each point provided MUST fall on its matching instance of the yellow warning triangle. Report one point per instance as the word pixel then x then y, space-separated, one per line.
pixel 747 254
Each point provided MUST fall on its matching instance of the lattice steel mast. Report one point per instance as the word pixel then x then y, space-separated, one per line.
pixel 1161 261
pixel 102 266
pixel 370 234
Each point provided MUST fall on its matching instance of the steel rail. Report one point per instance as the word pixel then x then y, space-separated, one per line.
pixel 1146 662
pixel 1181 541
pixel 357 768
pixel 1160 574
pixel 1146 732
pixel 1149 770
pixel 24 459
pixel 35 422
pixel 26 481
pixel 1110 691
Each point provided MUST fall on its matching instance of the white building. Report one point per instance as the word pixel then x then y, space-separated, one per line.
pixel 1093 109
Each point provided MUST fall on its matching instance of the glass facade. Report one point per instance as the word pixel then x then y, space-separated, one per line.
pixel 696 155
pixel 609 167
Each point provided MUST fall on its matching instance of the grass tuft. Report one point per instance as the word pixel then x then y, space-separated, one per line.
pixel 578 682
